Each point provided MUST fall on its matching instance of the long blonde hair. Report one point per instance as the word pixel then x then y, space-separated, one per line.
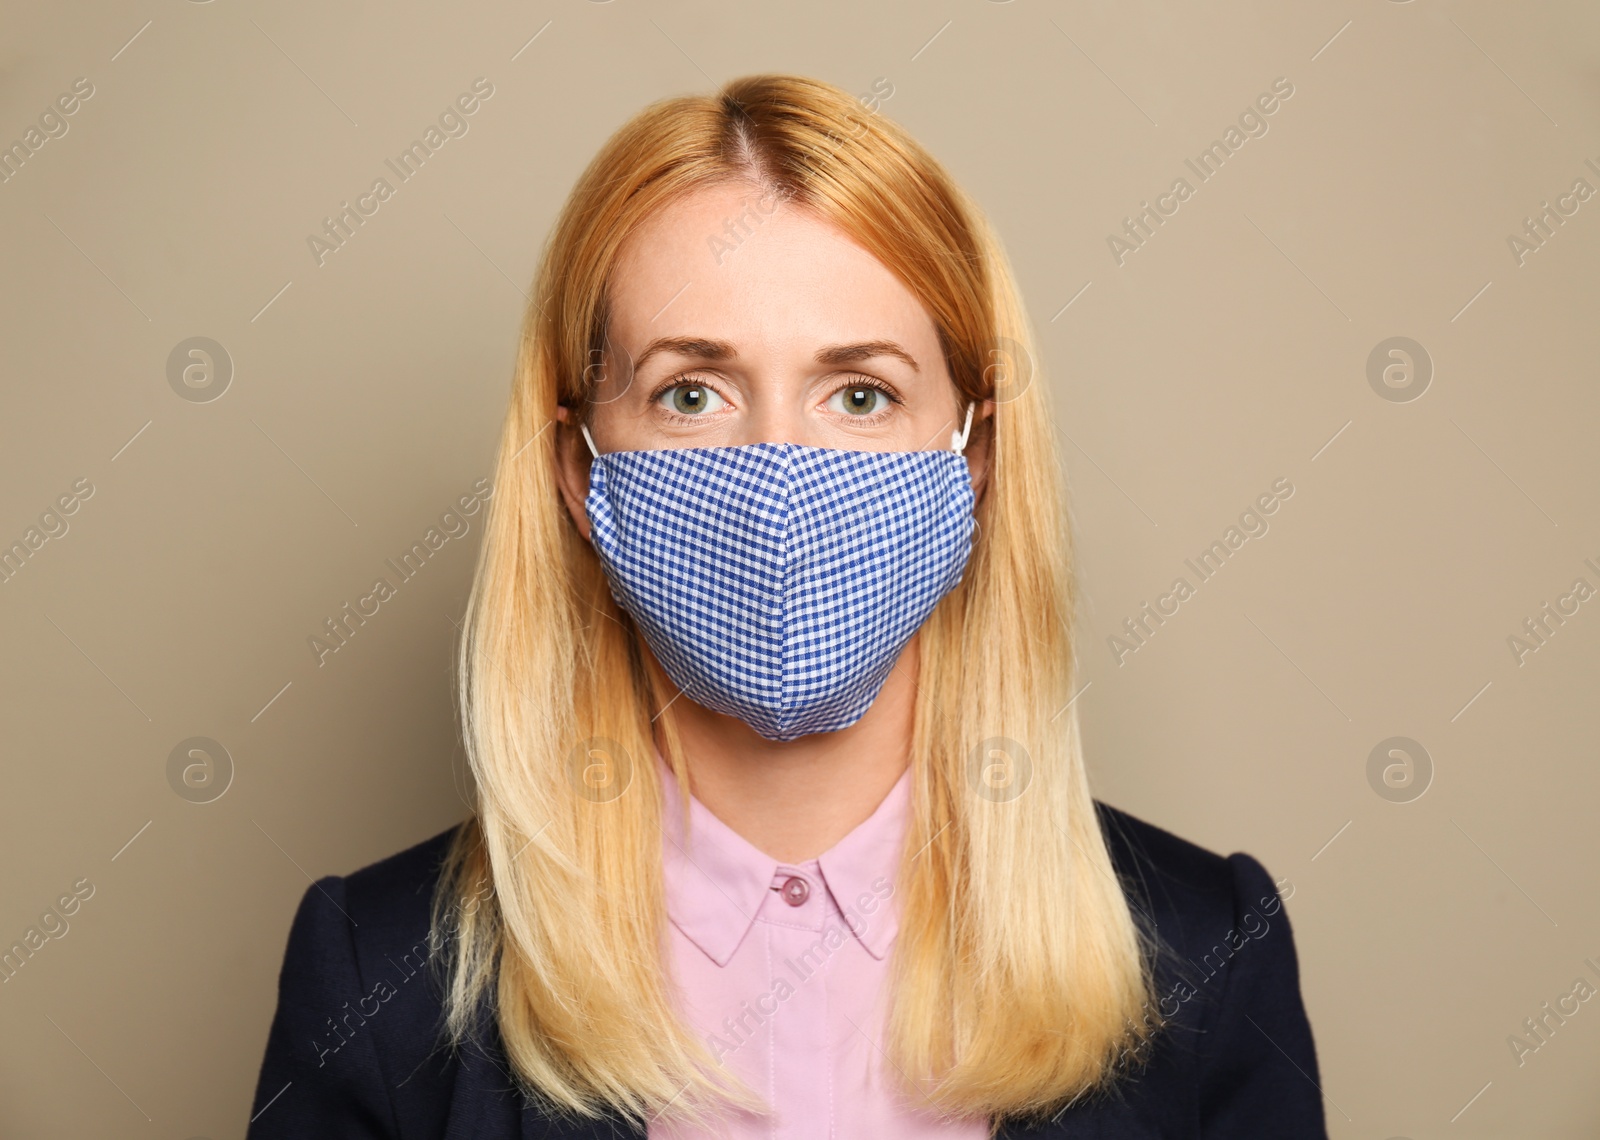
pixel 1021 978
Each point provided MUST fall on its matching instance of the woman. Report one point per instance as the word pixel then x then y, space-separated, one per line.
pixel 782 823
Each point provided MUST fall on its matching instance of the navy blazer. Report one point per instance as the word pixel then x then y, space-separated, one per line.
pixel 354 1053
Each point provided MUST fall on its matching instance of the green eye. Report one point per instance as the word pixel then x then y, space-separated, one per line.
pixel 861 401
pixel 690 399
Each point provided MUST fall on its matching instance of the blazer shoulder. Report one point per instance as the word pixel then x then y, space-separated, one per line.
pixel 354 1043
pixel 395 894
pixel 1166 870
pixel 1192 894
pixel 1228 978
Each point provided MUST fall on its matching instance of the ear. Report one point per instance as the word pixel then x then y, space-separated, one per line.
pixel 980 448
pixel 572 467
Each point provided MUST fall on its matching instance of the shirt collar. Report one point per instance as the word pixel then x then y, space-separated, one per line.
pixel 716 880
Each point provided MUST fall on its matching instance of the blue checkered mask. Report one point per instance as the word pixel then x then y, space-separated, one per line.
pixel 779 583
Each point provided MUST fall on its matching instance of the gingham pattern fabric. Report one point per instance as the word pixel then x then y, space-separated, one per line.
pixel 777 582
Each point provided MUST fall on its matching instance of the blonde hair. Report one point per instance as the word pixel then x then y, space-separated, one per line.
pixel 1021 978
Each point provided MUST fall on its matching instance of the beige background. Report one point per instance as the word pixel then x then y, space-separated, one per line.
pixel 1228 352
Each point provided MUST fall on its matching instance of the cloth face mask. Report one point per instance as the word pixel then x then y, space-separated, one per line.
pixel 778 583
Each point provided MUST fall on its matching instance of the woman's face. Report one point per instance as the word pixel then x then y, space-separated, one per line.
pixel 739 319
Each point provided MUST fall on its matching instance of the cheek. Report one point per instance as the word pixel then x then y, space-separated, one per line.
pixel 572 475
pixel 577 504
pixel 977 454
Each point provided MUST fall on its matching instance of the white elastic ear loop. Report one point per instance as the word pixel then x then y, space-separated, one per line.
pixel 958 440
pixel 593 450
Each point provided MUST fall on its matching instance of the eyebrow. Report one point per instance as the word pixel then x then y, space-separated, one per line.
pixel 864 350
pixel 703 349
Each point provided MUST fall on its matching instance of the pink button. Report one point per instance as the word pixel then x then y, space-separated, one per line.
pixel 795 890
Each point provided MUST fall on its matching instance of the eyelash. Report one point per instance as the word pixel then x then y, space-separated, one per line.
pixel 857 381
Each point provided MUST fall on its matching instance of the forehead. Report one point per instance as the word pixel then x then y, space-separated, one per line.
pixel 727 262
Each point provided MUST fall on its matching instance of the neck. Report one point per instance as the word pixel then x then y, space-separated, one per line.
pixel 794 799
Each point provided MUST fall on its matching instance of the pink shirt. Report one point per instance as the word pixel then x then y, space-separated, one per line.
pixel 783 969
